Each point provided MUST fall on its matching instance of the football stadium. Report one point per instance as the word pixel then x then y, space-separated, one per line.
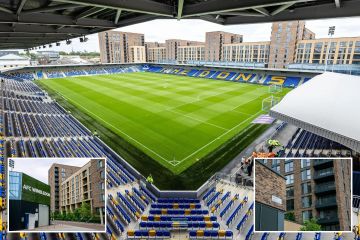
pixel 180 137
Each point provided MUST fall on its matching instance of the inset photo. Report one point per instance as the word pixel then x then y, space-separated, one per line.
pixel 56 195
pixel 303 194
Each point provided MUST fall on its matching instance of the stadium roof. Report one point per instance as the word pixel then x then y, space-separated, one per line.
pixel 326 105
pixel 30 23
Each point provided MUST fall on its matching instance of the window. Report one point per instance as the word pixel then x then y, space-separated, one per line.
pixel 306 174
pixel 276 168
pixel 305 163
pixel 102 174
pixel 289 179
pixel 290 205
pixel 305 188
pixel 289 192
pixel 100 163
pixel 306 215
pixel 306 202
pixel 289 167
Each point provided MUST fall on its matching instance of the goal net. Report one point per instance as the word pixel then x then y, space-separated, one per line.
pixel 269 102
pixel 275 88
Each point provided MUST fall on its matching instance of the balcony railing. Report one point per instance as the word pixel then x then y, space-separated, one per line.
pixel 322 163
pixel 329 219
pixel 356 204
pixel 326 202
pixel 328 172
pixel 325 188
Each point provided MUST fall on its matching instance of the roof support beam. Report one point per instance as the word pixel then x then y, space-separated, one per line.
pixel 243 13
pixel 51 8
pixel 141 6
pixel 55 19
pixel 281 8
pixel 338 3
pixel 89 12
pixel 35 29
pixel 21 5
pixel 180 9
pixel 319 11
pixel 118 13
pixel 135 20
pixel 3 9
pixel 216 6
pixel 262 11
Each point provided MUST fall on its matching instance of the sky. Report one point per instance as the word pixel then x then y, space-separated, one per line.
pixel 38 168
pixel 160 30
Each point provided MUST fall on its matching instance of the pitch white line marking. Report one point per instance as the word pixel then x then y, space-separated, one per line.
pixel 177 162
pixel 220 136
pixel 117 129
pixel 198 119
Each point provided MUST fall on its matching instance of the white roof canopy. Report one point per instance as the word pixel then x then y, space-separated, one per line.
pixel 327 105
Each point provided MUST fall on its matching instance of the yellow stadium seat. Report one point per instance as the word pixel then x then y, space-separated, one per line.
pixel 163 211
pixel 206 218
pixel 175 205
pixel 152 233
pixel 131 233
pixel 192 205
pixel 187 211
pixel 199 233
pixel 221 233
pixel 157 217
pixel 209 224
pixel 144 217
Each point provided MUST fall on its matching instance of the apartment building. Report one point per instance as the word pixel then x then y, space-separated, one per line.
pixel 319 188
pixel 120 47
pixel 155 52
pixel 172 46
pixel 87 184
pixel 191 53
pixel 246 52
pixel 214 42
pixel 56 175
pixel 283 42
pixel 290 42
pixel 344 50
pixel 137 54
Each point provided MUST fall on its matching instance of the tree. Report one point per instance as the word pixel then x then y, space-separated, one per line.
pixel 273 143
pixel 311 225
pixel 85 210
pixel 290 216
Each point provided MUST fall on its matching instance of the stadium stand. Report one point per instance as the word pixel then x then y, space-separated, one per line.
pixel 33 125
pixel 291 80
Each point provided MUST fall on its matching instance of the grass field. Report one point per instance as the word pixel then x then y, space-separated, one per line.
pixel 174 120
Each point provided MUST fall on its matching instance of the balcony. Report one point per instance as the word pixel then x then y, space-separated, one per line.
pixel 327 220
pixel 324 174
pixel 322 163
pixel 325 188
pixel 326 202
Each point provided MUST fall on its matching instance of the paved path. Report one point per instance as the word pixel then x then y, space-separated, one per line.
pixel 71 226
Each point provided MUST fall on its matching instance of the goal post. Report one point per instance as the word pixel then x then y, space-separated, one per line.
pixel 269 102
pixel 275 88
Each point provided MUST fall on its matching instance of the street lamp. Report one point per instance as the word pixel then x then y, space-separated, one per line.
pixel 330 34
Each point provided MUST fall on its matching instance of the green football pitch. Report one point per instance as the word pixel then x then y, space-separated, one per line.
pixel 176 120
